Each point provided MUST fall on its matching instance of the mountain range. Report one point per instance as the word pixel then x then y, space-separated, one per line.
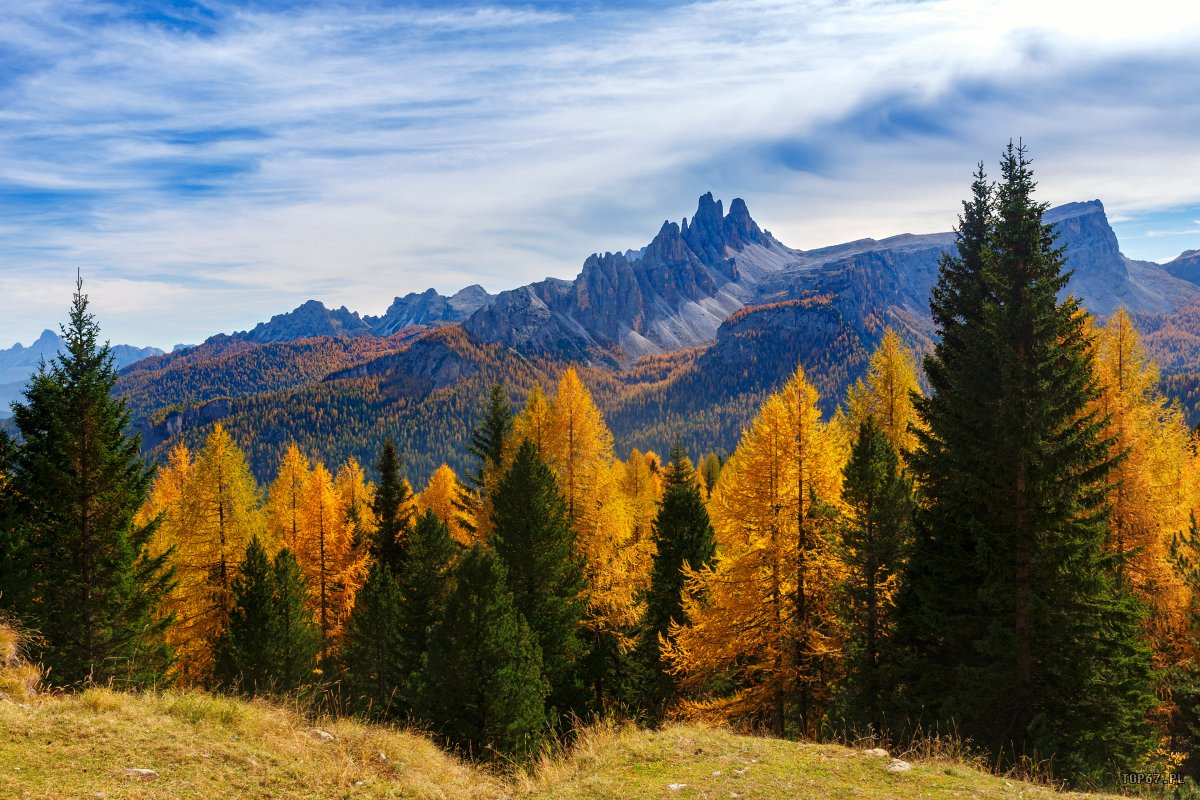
pixel 18 362
pixel 680 338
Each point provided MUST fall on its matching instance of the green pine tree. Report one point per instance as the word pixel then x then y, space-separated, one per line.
pixel 710 469
pixel 1183 681
pixel 78 481
pixel 873 536
pixel 13 579
pixel 270 643
pixel 244 651
pixel 683 536
pixel 487 446
pixel 297 638
pixel 374 644
pixel 391 504
pixel 1013 625
pixel 532 538
pixel 422 586
pixel 480 687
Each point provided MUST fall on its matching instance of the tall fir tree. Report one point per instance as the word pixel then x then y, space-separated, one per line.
pixel 270 643
pixel 684 539
pixel 374 646
pixel 423 582
pixel 490 436
pixel 481 687
pixel 299 640
pixel 1015 628
pixel 78 482
pixel 874 533
pixel 392 507
pixel 489 445
pixel 12 569
pixel 533 539
pixel 1183 678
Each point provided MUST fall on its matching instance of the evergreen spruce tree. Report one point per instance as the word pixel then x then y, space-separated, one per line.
pixel 874 534
pixel 683 536
pixel 392 510
pixel 12 575
pixel 1011 620
pixel 374 644
pixel 488 438
pixel 423 583
pixel 487 446
pixel 270 643
pixel 532 538
pixel 244 650
pixel 78 481
pixel 298 640
pixel 1183 680
pixel 480 687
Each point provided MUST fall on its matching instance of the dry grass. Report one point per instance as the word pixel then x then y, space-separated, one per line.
pixel 213 747
pixel 694 761
pixel 204 746
pixel 18 680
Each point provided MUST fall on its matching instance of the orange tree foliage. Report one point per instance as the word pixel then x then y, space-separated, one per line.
pixel 440 496
pixel 333 566
pixel 579 449
pixel 357 495
pixel 210 509
pixel 763 616
pixel 886 392
pixel 1154 487
pixel 285 497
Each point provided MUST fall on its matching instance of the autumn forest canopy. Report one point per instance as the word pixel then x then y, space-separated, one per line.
pixel 1010 552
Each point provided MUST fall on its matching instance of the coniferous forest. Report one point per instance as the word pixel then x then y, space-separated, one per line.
pixel 1009 554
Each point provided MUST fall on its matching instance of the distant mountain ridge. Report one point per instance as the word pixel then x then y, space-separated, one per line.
pixel 18 362
pixel 683 337
pixel 676 292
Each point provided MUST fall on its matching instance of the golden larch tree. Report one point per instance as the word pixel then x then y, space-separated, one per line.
pixel 763 615
pixel 641 482
pixel 1153 488
pixel 578 446
pixel 210 511
pixel 285 496
pixel 886 392
pixel 357 495
pixel 441 497
pixel 325 549
pixel 172 501
pixel 533 423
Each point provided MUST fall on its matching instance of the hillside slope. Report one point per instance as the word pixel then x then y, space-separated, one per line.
pixel 200 746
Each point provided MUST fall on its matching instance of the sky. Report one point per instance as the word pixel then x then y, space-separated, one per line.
pixel 207 164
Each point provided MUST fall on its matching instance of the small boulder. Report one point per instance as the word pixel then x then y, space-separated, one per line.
pixel 876 752
pixel 324 736
pixel 140 774
pixel 899 765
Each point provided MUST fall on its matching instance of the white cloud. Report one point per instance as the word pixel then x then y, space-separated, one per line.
pixel 355 152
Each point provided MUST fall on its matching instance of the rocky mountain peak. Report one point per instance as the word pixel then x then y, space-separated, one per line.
pixel 740 229
pixel 308 319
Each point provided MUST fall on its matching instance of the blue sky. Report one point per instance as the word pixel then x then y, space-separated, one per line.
pixel 209 164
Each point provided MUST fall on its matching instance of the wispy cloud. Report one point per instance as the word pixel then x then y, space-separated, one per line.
pixel 355 150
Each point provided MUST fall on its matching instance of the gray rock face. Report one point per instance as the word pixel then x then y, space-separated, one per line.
pixel 673 293
pixel 1186 266
pixel 310 319
pixel 428 308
